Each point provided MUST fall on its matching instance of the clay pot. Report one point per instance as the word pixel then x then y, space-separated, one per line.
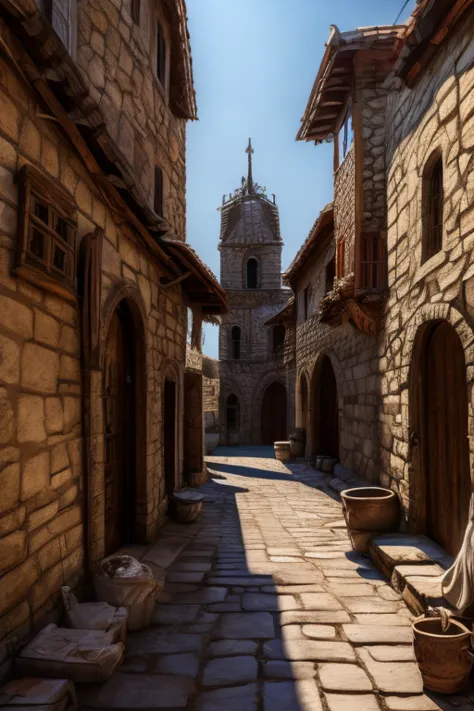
pixel 297 441
pixel 371 508
pixel 327 464
pixel 444 658
pixel 186 505
pixel 282 451
pixel 211 440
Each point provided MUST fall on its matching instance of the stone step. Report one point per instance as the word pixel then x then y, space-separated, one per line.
pixel 414 565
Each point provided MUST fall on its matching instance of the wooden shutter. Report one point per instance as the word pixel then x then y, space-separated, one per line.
pixel 158 202
pixel 160 54
pixel 372 261
pixel 59 14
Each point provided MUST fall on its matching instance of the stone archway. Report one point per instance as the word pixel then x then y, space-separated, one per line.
pixel 438 404
pixel 324 421
pixel 274 414
pixel 302 407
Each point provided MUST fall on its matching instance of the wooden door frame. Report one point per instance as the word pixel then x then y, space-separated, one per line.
pixel 274 382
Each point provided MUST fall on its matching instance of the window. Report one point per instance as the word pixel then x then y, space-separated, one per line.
pixel 233 413
pixel 278 339
pixel 135 11
pixel 236 334
pixel 330 274
pixel 252 273
pixel 59 15
pixel 433 199
pixel 158 200
pixel 160 54
pixel 305 303
pixel 47 233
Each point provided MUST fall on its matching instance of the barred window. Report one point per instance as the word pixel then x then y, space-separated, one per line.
pixel 160 54
pixel 433 198
pixel 47 233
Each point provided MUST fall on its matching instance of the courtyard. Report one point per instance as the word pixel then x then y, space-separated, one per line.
pixel 266 608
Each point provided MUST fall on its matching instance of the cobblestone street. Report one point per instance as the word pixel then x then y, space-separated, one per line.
pixel 267 609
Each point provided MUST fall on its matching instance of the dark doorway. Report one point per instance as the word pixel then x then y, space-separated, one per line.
pixel 439 436
pixel 252 273
pixel 169 436
pixel 120 430
pixel 274 414
pixel 233 419
pixel 324 410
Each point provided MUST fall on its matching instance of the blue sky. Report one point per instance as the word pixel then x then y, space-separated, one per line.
pixel 254 65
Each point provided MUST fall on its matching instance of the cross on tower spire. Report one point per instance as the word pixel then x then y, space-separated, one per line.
pixel 249 150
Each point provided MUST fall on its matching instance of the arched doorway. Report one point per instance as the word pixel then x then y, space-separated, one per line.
pixel 169 435
pixel 324 410
pixel 120 429
pixel 438 435
pixel 302 419
pixel 232 414
pixel 274 414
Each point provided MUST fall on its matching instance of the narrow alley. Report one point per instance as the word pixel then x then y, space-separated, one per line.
pixel 268 609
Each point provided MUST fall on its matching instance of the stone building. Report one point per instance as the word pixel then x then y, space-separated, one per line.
pixel 404 239
pixel 256 384
pixel 95 282
pixel 211 388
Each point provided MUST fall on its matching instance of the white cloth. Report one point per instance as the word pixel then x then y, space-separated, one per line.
pixel 457 583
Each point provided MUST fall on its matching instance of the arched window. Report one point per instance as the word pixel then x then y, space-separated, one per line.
pixel 158 198
pixel 236 336
pixel 278 339
pixel 252 273
pixel 233 413
pixel 433 199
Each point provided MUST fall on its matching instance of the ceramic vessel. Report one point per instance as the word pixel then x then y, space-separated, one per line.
pixel 327 464
pixel 297 442
pixel 186 505
pixel 282 451
pixel 444 658
pixel 211 440
pixel 371 508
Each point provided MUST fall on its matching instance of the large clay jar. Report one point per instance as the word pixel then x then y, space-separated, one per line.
pixel 371 508
pixel 444 658
pixel 297 441
pixel 282 451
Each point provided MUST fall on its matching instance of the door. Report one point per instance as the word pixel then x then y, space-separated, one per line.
pixel 329 415
pixel 439 437
pixel 274 414
pixel 169 436
pixel 119 422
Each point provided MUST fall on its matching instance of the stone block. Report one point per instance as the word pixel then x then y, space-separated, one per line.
pixel 69 340
pixel 12 520
pixel 10 119
pixel 12 550
pixel 59 457
pixel 61 478
pixel 9 361
pixel 70 369
pixel 31 419
pixel 65 520
pixel 47 585
pixel 49 554
pixel 7 418
pixel 10 487
pixel 393 677
pixel 15 585
pixel 345 678
pixel 72 412
pixel 35 475
pixel 139 692
pixel 227 671
pixel 41 516
pixel 46 329
pixel 54 416
pixel 61 309
pixel 16 317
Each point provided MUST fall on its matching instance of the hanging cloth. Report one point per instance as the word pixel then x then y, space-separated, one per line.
pixel 457 583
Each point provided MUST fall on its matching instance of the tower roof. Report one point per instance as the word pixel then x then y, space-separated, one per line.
pixel 248 216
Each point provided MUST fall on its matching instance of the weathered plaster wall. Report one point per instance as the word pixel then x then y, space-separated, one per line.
pixel 437 114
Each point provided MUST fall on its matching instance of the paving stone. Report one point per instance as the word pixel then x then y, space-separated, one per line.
pixel 245 625
pixel 161 641
pixel 244 581
pixel 344 678
pixel 356 590
pixel 370 604
pixel 201 597
pixel 174 614
pixel 319 631
pixel 390 550
pixel 298 576
pixel 333 617
pixel 226 671
pixel 284 552
pixel 292 589
pixel 284 669
pixel 319 651
pixel 395 653
pixel 393 677
pixel 320 601
pixel 291 696
pixel 378 634
pixel 137 691
pixel 352 702
pixel 230 647
pixel 275 649
pixel 402 572
pixel 177 665
pixel 235 698
pixel 411 703
pixel 271 603
pixel 402 618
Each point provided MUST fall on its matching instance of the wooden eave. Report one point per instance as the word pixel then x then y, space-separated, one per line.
pixel 329 97
pixel 429 25
pixel 321 234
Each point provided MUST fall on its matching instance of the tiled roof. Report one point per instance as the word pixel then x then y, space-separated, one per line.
pixel 251 219
pixel 325 218
pixel 285 314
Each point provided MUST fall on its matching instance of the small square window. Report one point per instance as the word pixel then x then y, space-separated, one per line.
pixel 37 244
pixel 41 211
pixel 59 258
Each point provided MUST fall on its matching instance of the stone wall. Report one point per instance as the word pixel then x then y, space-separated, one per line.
pixel 437 114
pixel 118 59
pixel 211 389
pixel 344 208
pixel 354 359
pixel 234 259
pixel 42 480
